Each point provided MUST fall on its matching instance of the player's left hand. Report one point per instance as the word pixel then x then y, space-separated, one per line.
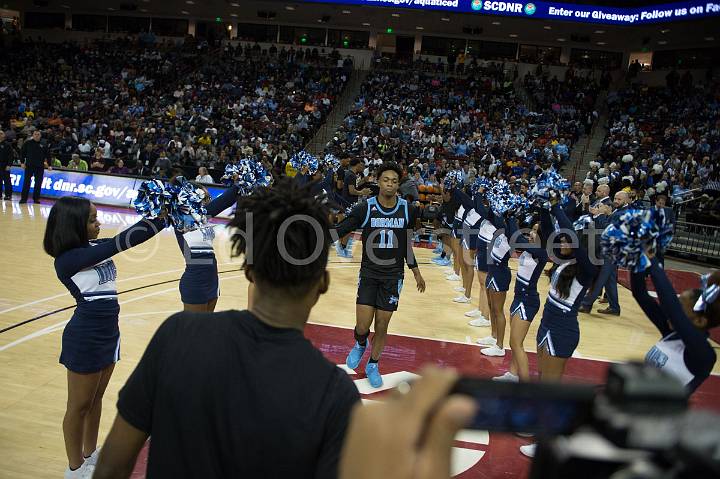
pixel 419 280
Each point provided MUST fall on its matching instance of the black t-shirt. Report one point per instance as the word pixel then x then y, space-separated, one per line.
pixel 226 395
pixel 350 179
pixel 386 236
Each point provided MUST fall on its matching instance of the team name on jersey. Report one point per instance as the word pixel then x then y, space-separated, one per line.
pixel 208 233
pixel 106 272
pixel 387 222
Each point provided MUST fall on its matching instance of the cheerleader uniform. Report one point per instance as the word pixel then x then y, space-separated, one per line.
pixel 485 229
pixel 684 351
pixel 499 276
pixel 470 222
pixel 531 264
pixel 91 339
pixel 199 283
pixel 559 331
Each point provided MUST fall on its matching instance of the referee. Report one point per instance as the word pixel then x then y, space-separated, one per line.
pixel 34 159
pixel 5 162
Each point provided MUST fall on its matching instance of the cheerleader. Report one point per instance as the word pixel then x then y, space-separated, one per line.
pixel 526 302
pixel 468 244
pixel 199 285
pixel 472 242
pixel 570 277
pixel 91 339
pixel 497 285
pixel 683 322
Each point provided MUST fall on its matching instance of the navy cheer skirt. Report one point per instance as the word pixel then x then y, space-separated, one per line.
pixel 91 340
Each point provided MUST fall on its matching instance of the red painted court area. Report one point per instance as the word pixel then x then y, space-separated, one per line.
pixel 501 456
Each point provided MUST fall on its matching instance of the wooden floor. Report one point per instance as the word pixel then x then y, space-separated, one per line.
pixel 33 384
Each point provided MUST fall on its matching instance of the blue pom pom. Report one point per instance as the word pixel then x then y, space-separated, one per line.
pixel 183 203
pixel 452 179
pixel 303 159
pixel 633 233
pixel 331 162
pixel 151 198
pixel 480 182
pixel 503 200
pixel 187 206
pixel 250 175
pixel 548 182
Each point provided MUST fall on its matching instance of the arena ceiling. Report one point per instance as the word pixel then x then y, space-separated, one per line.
pixel 697 33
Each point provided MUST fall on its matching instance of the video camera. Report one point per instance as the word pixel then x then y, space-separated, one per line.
pixel 637 426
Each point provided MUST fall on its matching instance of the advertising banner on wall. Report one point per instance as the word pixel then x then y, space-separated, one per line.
pixel 670 12
pixel 97 187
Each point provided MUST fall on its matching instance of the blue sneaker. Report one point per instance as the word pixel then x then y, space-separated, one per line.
pixel 443 262
pixel 356 354
pixel 438 249
pixel 373 375
pixel 339 249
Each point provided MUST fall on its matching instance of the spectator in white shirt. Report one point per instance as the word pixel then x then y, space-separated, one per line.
pixel 203 176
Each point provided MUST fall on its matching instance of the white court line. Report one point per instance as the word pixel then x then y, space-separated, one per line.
pixel 42 300
pixel 56 326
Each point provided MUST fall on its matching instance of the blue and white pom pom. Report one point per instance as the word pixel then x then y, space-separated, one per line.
pixel 303 159
pixel 549 181
pixel 183 202
pixel 633 233
pixel 331 162
pixel 152 197
pixel 187 208
pixel 250 175
pixel 480 182
pixel 502 199
pixel 452 180
pixel 585 221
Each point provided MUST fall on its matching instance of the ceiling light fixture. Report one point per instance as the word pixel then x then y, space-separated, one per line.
pixel 496 23
pixel 662 42
pixel 599 32
pixel 547 27
pixel 185 12
pixel 601 43
pixel 709 39
pixel 366 24
pixel 289 8
pixel 347 12
pixel 445 19
pixel 561 39
pixel 665 30
pixel 396 15
pixel 419 28
pixel 513 35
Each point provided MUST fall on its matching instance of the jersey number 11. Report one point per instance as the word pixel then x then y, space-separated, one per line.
pixel 387 239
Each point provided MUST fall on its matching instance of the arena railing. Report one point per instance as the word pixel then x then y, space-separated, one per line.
pixel 697 240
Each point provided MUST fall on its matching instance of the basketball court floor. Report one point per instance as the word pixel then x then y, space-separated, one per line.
pixel 428 328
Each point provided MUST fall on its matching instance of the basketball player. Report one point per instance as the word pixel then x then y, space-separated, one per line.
pixel 385 221
pixel 683 322
pixel 91 340
pixel 199 285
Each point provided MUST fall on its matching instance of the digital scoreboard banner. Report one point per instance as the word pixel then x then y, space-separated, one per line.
pixel 671 12
pixel 96 187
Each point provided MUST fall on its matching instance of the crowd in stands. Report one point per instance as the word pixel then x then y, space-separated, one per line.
pixel 132 108
pixel 431 123
pixel 664 139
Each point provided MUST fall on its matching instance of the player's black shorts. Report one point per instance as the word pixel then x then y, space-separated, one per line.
pixel 383 294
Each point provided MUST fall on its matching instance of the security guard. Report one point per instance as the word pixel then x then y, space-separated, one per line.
pixel 34 158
